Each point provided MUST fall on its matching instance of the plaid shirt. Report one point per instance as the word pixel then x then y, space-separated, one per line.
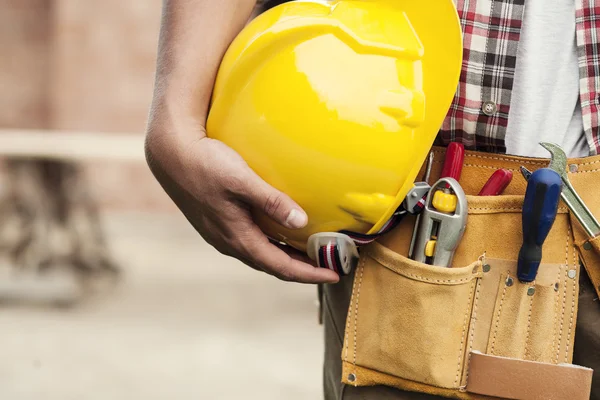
pixel 478 116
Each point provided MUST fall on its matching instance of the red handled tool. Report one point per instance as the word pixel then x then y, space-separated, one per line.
pixel 497 183
pixel 453 163
pixel 445 202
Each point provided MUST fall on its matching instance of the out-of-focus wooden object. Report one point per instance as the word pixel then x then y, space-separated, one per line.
pixel 71 146
pixel 48 219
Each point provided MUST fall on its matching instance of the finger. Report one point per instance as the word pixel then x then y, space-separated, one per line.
pixel 295 254
pixel 247 251
pixel 249 263
pixel 277 262
pixel 275 204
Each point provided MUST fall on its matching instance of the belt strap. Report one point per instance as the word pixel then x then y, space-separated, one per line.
pixel 329 254
pixel 509 378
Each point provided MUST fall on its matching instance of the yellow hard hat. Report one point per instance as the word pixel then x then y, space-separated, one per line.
pixel 337 104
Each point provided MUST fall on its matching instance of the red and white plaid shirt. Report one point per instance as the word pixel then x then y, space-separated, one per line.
pixel 478 116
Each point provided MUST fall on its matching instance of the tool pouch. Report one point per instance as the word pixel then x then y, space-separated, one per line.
pixel 473 330
pixel 585 177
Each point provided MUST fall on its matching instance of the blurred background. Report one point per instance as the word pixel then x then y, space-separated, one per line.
pixel 106 292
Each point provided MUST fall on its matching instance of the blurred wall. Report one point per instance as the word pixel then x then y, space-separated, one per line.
pixel 103 58
pixel 84 65
pixel 24 64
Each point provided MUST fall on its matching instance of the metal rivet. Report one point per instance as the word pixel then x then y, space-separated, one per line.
pixel 351 378
pixel 531 291
pixel 486 267
pixel 587 246
pixel 509 281
pixel 572 273
pixel 573 167
pixel 489 108
pixel 556 287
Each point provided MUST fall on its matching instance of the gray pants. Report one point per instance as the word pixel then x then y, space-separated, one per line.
pixel 336 299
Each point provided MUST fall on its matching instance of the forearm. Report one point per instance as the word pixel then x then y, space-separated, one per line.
pixel 194 36
pixel 209 182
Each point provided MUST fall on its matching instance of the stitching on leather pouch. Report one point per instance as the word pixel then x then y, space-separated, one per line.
pixel 572 303
pixel 525 162
pixel 486 166
pixel 555 326
pixel 563 209
pixel 349 316
pixel 498 318
pixel 520 161
pixel 505 159
pixel 590 163
pixel 356 311
pixel 564 299
pixel 408 274
pixel 528 326
pixel 496 159
pixel 589 170
pixel 462 340
pixel 439 280
pixel 495 209
pixel 473 321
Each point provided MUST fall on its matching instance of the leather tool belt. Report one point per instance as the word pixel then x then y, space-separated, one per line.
pixel 474 330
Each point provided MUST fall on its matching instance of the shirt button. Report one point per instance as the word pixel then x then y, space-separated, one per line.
pixel 489 108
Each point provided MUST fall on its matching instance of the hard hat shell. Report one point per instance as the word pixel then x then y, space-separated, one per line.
pixel 337 104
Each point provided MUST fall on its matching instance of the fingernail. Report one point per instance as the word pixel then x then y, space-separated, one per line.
pixel 296 219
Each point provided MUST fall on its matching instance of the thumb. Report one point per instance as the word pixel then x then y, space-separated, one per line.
pixel 275 204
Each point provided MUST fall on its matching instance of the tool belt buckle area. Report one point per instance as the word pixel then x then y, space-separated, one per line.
pixel 415 195
pixel 333 250
pixel 441 230
pixel 466 330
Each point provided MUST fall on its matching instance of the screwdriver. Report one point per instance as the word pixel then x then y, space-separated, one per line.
pixel 539 212
pixel 497 183
pixel 454 160
pixel 445 199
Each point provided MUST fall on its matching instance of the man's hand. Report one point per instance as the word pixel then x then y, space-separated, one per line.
pixel 209 182
pixel 216 190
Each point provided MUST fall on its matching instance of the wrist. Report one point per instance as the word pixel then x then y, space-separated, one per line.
pixel 169 133
pixel 179 101
pixel 175 112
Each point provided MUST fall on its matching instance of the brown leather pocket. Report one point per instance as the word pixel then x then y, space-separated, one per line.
pixel 589 250
pixel 414 326
pixel 524 323
pixel 410 320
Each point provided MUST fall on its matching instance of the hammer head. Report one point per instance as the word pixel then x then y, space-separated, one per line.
pixel 558 158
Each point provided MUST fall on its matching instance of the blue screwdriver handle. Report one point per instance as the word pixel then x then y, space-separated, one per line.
pixel 539 212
